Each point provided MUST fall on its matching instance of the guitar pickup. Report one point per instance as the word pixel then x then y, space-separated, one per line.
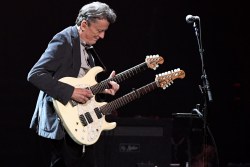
pixel 98 113
pixel 83 120
pixel 88 116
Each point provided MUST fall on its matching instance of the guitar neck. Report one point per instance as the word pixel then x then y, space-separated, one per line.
pixel 97 88
pixel 136 94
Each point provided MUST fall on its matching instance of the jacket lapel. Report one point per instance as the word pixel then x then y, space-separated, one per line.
pixel 76 51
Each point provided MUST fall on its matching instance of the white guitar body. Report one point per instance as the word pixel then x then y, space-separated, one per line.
pixel 70 115
pixel 81 121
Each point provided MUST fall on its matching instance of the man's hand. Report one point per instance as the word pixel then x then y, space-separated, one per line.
pixel 81 95
pixel 114 86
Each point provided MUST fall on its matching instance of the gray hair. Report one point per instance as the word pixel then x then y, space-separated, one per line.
pixel 95 10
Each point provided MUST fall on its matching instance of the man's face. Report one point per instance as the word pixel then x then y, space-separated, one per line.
pixel 93 31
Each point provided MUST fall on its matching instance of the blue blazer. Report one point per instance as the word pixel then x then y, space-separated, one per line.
pixel 62 58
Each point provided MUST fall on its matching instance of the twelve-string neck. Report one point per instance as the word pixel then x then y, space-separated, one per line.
pixel 97 88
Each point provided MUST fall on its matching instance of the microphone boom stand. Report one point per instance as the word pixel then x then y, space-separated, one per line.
pixel 205 90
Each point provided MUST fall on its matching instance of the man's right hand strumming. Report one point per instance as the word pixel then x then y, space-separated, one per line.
pixel 81 95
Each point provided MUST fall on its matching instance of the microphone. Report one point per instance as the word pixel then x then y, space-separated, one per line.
pixel 191 18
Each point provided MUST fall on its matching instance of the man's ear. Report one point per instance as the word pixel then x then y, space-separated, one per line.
pixel 84 24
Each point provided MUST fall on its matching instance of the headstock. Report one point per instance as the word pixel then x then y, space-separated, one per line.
pixel 153 61
pixel 165 79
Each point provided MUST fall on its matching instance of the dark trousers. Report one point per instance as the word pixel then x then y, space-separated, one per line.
pixel 67 153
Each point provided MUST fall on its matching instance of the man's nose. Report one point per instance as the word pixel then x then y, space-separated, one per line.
pixel 101 35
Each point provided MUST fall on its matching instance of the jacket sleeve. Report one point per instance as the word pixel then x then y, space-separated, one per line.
pixel 45 73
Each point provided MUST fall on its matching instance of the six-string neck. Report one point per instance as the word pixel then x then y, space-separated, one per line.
pixel 136 94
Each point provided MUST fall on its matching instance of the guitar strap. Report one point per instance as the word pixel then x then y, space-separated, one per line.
pixel 92 53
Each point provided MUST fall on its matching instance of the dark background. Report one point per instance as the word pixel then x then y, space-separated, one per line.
pixel 142 28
